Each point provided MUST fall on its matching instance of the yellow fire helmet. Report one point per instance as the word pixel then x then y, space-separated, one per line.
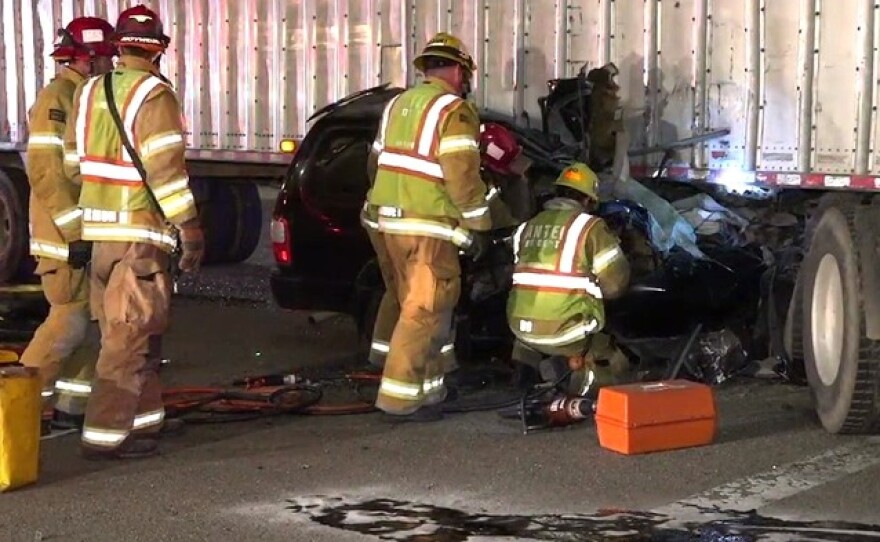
pixel 444 45
pixel 578 176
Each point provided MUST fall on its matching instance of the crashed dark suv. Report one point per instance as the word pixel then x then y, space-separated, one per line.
pixel 325 261
pixel 324 258
pixel 318 242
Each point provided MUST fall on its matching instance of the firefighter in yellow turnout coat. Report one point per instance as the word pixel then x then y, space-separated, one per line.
pixel 567 262
pixel 132 202
pixel 59 348
pixel 427 201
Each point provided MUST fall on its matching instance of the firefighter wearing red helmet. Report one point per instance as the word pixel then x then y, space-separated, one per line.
pixel 59 349
pixel 127 149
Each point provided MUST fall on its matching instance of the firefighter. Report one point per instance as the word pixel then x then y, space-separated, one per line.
pixel 503 162
pixel 606 116
pixel 429 202
pixel 59 348
pixel 567 261
pixel 135 199
pixel 389 308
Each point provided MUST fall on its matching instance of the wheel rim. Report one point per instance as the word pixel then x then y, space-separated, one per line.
pixel 826 319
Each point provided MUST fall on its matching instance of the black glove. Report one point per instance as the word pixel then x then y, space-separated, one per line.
pixel 79 254
pixel 480 243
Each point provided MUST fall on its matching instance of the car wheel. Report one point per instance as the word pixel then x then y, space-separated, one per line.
pixel 841 362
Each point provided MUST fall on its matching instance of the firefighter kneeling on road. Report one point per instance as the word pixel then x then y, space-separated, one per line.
pixel 567 261
pixel 126 146
pixel 59 349
pixel 428 201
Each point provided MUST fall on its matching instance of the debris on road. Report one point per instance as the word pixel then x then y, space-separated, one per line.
pixel 718 356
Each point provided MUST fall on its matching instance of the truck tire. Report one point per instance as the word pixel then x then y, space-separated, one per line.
pixel 794 327
pixel 794 320
pixel 15 261
pixel 248 209
pixel 841 363
pixel 217 218
pixel 231 215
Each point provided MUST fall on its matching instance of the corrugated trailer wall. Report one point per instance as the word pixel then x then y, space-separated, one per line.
pixel 794 80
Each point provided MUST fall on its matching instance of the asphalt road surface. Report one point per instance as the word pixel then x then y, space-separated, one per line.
pixel 772 473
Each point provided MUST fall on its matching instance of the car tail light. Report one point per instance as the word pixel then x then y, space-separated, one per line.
pixel 279 231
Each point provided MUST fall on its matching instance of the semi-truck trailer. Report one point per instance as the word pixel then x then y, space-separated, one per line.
pixel 794 82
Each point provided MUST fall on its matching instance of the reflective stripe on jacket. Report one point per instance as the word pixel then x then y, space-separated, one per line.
pixel 116 203
pixel 54 215
pixel 427 181
pixel 556 299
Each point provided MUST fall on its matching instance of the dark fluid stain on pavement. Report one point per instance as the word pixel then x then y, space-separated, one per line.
pixel 389 519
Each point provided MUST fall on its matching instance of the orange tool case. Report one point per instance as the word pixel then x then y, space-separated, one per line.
pixel 657 416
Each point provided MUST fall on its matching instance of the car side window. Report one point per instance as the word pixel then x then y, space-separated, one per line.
pixel 336 181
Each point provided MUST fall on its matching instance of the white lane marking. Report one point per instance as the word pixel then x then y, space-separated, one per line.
pixel 755 492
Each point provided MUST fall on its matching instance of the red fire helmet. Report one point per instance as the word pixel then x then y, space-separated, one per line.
pixel 140 27
pixel 84 38
pixel 500 150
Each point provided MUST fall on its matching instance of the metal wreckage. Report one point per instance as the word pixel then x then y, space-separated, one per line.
pixel 711 277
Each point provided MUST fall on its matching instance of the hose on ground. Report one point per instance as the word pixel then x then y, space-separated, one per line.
pixel 210 405
pixel 218 404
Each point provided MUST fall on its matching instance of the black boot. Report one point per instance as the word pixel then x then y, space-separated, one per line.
pixel 466 380
pixel 131 448
pixel 428 413
pixel 45 427
pixel 525 376
pixel 172 427
pixel 62 421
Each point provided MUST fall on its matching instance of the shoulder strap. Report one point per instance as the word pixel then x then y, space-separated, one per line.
pixel 117 118
pixel 135 158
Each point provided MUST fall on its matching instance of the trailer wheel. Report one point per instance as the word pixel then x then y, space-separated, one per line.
pixel 248 210
pixel 840 361
pixel 15 262
pixel 216 214
pixel 793 334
